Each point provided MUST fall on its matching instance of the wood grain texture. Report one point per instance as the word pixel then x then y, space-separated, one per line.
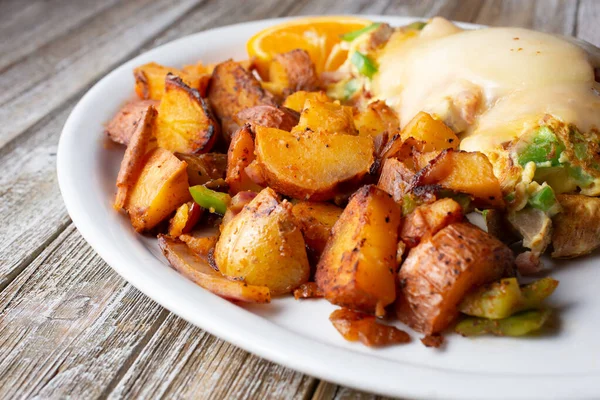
pixel 69 326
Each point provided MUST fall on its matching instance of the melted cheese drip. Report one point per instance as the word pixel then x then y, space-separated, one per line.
pixel 518 75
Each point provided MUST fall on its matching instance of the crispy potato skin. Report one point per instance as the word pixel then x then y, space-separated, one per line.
pixel 311 165
pixel 291 72
pixel 263 246
pixel 185 121
pixel 577 227
pixel 438 273
pixel 295 101
pixel 239 156
pixel 233 89
pixel 150 80
pixel 395 178
pixel 197 269
pixel 358 266
pixel 269 116
pixel 203 168
pixel 120 129
pixel 316 220
pixel 428 219
pixel 162 186
pixel 134 158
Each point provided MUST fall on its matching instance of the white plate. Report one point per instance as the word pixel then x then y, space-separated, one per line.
pixel 298 334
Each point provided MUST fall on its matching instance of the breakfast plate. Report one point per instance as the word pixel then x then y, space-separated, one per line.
pixel 560 363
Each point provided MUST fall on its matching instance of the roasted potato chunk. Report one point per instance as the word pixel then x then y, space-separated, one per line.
pixel 135 156
pixel 233 89
pixel 200 242
pixel 428 219
pixel 195 268
pixel 376 119
pixel 150 80
pixel 395 178
pixel 160 189
pixel 185 218
pixel 263 246
pixel 577 227
pixel 120 129
pixel 326 117
pixel 204 168
pixel 292 71
pixel 432 133
pixel 239 156
pixel 463 172
pixel 316 220
pixel 311 165
pixel 441 270
pixel 185 121
pixel 295 101
pixel 358 266
pixel 269 116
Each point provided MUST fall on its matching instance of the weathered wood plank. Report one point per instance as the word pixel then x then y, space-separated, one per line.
pixel 182 361
pixel 588 16
pixel 26 26
pixel 330 391
pixel 69 324
pixel 64 67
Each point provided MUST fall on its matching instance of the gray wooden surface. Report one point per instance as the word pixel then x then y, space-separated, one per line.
pixel 69 325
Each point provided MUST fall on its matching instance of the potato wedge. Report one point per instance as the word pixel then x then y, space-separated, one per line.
pixel 263 246
pixel 185 121
pixel 185 218
pixel 233 89
pixel 204 168
pixel 316 220
pixel 239 156
pixel 150 80
pixel 135 156
pixel 269 116
pixel 432 133
pixel 577 227
pixel 120 129
pixel 292 71
pixel 295 101
pixel 160 189
pixel 183 260
pixel 428 219
pixel 358 266
pixel 376 119
pixel 311 165
pixel 395 178
pixel 463 172
pixel 326 117
pixel 441 270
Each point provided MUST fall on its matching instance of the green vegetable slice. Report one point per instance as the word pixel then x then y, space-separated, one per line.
pixel 363 64
pixel 542 147
pixel 215 202
pixel 417 25
pixel 351 87
pixel 543 200
pixel 536 292
pixel 517 325
pixel 350 36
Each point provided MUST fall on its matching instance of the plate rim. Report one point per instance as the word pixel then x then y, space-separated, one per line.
pixel 307 355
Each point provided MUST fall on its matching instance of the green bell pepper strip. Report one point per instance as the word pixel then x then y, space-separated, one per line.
pixel 543 200
pixel 350 36
pixel 350 88
pixel 215 202
pixel 544 144
pixel 363 64
pixel 517 325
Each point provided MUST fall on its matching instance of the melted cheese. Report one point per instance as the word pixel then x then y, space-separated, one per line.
pixel 492 83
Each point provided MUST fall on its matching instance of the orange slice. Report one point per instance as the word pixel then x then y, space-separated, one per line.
pixel 316 35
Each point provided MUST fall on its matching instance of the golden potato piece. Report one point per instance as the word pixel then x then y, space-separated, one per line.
pixel 193 267
pixel 316 220
pixel 185 122
pixel 292 71
pixel 135 156
pixel 432 133
pixel 438 273
pixel 263 246
pixel 326 117
pixel 200 242
pixel 463 172
pixel 233 89
pixel 395 178
pixel 428 219
pixel 150 80
pixel 295 101
pixel 185 218
pixel 358 266
pixel 161 187
pixel 311 165
pixel 204 168
pixel 120 129
pixel 376 119
pixel 239 156
pixel 269 116
pixel 577 227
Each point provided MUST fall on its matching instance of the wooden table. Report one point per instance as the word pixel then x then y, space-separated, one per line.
pixel 69 325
